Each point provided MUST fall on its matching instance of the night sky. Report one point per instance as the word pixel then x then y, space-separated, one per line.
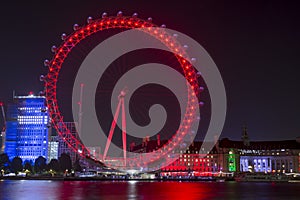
pixel 255 44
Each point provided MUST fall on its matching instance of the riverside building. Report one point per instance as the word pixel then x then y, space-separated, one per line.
pixel 27 128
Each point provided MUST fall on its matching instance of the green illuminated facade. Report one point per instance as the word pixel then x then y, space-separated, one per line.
pixel 231 161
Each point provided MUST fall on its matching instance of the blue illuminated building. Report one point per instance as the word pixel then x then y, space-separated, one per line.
pixel 27 128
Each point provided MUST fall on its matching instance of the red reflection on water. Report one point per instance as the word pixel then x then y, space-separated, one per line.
pixel 119 190
pixel 135 190
pixel 176 190
pixel 93 190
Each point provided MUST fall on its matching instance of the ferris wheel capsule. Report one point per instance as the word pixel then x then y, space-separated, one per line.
pixel 175 35
pixel 185 46
pixel 199 74
pixel 120 14
pixel 63 36
pixel 193 60
pixel 201 103
pixel 89 20
pixel 149 19
pixel 134 15
pixel 104 15
pixel 163 26
pixel 42 93
pixel 46 63
pixel 53 48
pixel 75 27
pixel 42 78
pixel 201 89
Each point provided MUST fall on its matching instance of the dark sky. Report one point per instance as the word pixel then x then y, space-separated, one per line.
pixel 255 44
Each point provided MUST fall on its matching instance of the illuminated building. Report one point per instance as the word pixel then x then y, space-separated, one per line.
pixel 260 156
pixel 196 160
pixel 231 161
pixel 27 128
pixel 228 157
pixel 53 145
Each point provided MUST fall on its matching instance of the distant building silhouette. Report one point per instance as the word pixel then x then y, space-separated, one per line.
pixel 245 137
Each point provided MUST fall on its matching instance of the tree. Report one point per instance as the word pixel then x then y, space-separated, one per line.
pixel 54 165
pixel 40 164
pixel 65 162
pixel 4 161
pixel 27 165
pixel 16 165
pixel 77 166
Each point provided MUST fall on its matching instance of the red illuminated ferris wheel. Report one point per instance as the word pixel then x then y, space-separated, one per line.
pixel 121 22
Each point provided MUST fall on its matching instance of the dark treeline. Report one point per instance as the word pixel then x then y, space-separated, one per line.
pixel 62 165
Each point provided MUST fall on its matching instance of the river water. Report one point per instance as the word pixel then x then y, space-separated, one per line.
pixel 118 190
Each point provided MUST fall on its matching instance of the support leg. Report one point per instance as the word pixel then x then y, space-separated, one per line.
pixel 124 130
pixel 112 128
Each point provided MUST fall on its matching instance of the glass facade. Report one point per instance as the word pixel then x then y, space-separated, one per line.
pixel 27 128
pixel 63 147
pixel 52 150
